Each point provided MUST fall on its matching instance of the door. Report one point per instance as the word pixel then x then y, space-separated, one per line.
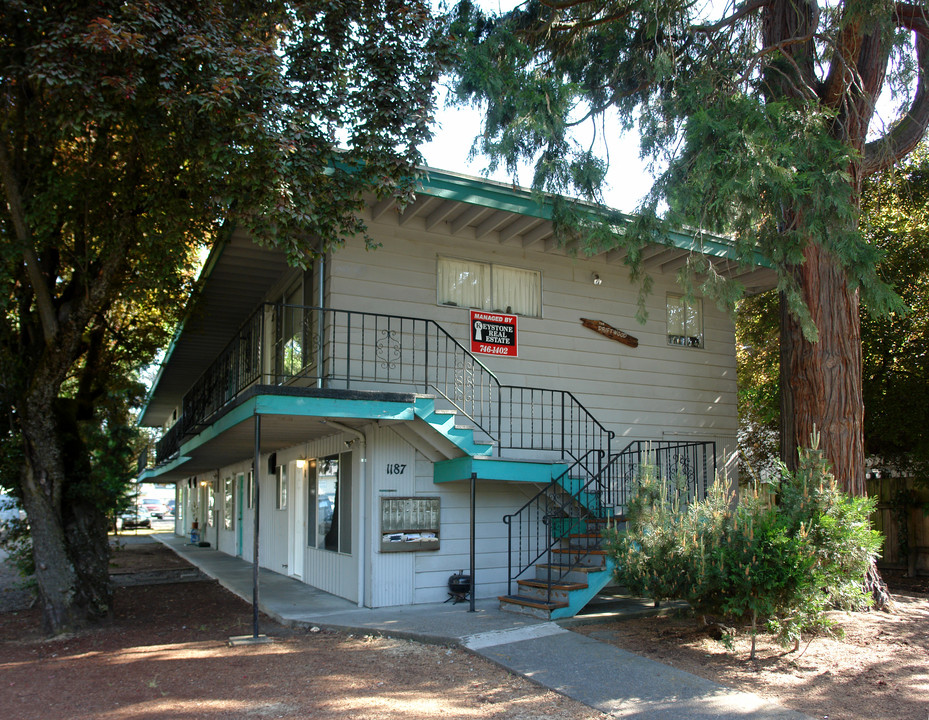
pixel 298 530
pixel 239 504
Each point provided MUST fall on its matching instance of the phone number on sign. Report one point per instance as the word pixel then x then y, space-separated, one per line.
pixel 496 349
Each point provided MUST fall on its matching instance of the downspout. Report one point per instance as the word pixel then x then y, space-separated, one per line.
pixel 362 492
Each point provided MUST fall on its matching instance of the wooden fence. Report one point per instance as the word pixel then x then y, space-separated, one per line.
pixel 900 518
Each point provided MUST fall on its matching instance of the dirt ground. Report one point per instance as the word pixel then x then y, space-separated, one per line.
pixel 878 671
pixel 165 655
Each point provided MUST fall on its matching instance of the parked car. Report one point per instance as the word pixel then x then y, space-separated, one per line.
pixel 133 518
pixel 155 507
pixel 10 512
pixel 171 505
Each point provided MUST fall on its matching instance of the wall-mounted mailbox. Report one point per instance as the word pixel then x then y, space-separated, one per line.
pixel 409 524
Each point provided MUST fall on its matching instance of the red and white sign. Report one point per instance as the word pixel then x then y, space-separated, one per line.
pixel 493 333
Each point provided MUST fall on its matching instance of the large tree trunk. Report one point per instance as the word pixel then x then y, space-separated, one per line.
pixel 68 532
pixel 821 383
pixel 821 380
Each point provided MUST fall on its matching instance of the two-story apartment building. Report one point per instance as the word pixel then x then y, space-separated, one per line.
pixel 370 389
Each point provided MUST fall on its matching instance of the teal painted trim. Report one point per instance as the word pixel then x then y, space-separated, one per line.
pixel 444 424
pixel 486 193
pixel 577 599
pixel 451 470
pixel 333 407
pixel 499 196
pixel 238 415
pixel 494 469
pixel 150 474
pixel 300 407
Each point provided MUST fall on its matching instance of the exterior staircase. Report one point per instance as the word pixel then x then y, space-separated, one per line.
pixel 572 573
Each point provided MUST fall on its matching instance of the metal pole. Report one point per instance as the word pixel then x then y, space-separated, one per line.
pixel 256 495
pixel 471 570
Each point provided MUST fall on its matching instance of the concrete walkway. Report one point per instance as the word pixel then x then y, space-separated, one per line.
pixel 596 673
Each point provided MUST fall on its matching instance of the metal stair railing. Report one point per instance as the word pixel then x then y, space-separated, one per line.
pixel 532 531
pixel 532 535
pixel 325 348
pixel 688 466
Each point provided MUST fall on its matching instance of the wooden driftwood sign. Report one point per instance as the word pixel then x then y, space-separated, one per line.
pixel 610 332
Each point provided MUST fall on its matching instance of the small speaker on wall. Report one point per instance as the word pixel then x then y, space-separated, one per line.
pixel 272 463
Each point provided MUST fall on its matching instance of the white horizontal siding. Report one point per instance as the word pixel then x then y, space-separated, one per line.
pixel 638 392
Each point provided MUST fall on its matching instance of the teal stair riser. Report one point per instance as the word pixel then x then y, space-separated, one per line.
pixel 445 424
pixel 577 599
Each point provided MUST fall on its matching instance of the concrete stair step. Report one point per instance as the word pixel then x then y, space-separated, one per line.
pixel 529 606
pixel 566 573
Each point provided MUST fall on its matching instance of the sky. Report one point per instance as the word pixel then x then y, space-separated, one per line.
pixel 628 178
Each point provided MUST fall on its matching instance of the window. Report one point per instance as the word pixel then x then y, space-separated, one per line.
pixel 228 503
pixel 685 321
pixel 281 494
pixel 332 503
pixel 491 287
pixel 211 505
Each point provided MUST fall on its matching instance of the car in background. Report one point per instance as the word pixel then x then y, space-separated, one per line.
pixel 10 513
pixel 172 504
pixel 155 507
pixel 133 517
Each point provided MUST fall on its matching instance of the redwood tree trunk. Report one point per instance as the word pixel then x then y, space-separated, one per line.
pixel 821 381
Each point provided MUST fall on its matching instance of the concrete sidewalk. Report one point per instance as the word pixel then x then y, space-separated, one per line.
pixel 596 673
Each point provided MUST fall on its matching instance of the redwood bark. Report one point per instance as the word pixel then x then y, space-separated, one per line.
pixel 821 381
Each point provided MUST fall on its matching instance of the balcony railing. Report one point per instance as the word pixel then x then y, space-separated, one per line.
pixel 318 347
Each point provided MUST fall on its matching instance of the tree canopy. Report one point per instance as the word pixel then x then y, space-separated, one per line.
pixel 760 117
pixel 131 133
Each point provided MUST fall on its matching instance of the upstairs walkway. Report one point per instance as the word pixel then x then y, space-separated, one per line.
pixel 598 674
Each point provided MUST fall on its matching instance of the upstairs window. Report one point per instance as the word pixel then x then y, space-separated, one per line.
pixel 490 287
pixel 685 321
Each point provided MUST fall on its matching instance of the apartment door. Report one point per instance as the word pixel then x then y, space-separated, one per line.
pixel 298 530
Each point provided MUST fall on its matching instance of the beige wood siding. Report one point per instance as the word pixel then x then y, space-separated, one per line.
pixel 637 392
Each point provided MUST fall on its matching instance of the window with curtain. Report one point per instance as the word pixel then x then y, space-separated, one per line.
pixel 488 286
pixel 685 321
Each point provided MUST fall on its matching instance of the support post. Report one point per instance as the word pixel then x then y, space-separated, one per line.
pixel 256 472
pixel 473 514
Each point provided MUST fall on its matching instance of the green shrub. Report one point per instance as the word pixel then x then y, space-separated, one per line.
pixel 751 560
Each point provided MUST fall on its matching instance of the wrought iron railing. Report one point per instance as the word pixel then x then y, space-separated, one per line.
pixel 552 515
pixel 598 488
pixel 688 467
pixel 338 349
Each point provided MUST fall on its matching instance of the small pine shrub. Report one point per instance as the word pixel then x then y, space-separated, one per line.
pixel 783 564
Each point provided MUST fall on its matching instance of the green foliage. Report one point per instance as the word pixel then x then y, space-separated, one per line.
pixel 133 135
pixel 743 113
pixel 782 563
pixel 895 346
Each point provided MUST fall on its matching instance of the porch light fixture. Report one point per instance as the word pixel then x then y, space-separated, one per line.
pixel 596 279
pixel 301 463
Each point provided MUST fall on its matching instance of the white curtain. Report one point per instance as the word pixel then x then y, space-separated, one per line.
pixel 464 283
pixel 685 321
pixel 517 291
